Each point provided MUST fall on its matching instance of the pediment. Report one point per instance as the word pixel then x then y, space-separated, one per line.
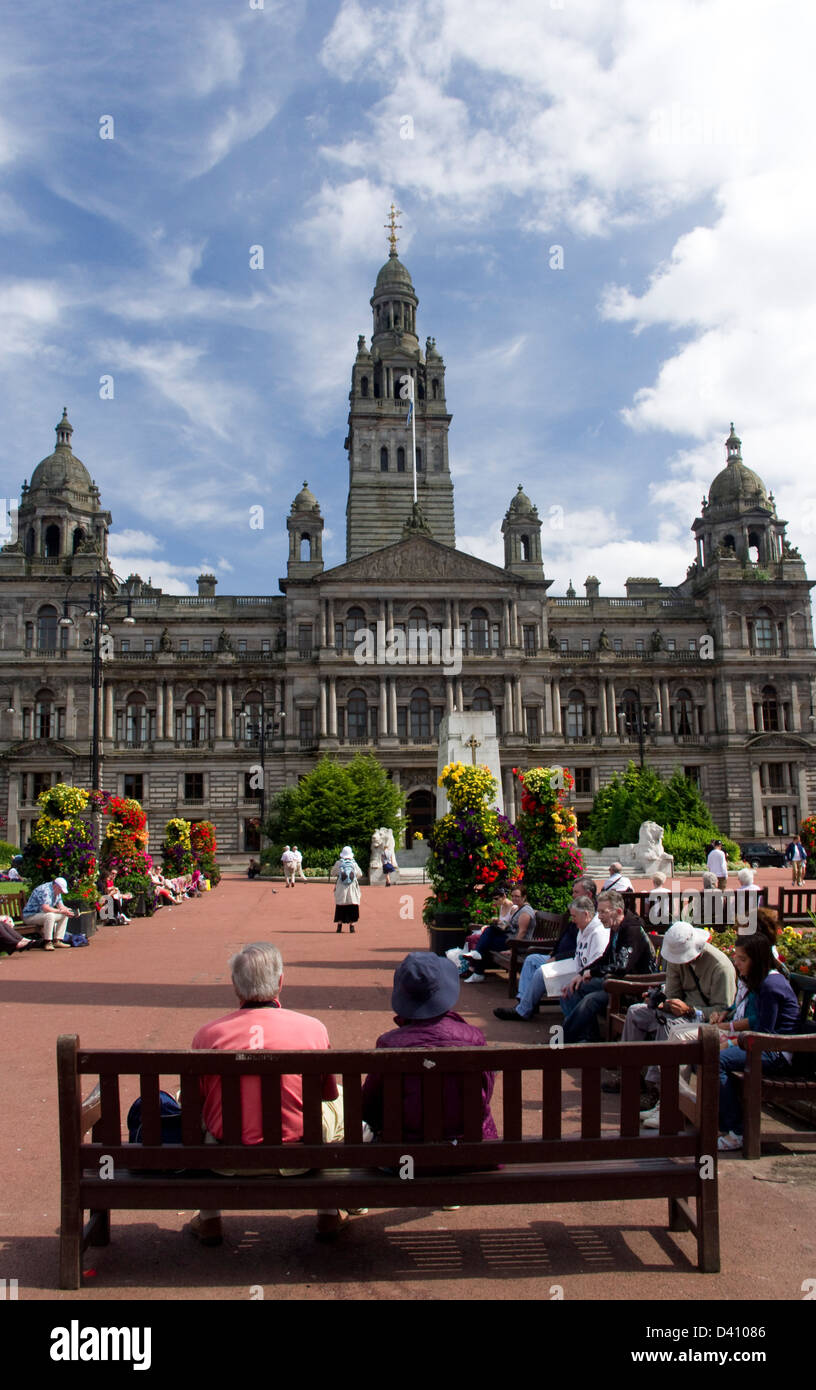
pixel 40 748
pixel 781 740
pixel 418 557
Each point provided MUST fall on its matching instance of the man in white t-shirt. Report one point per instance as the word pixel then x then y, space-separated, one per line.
pixel 717 864
pixel 593 939
pixel 289 862
pixel 617 880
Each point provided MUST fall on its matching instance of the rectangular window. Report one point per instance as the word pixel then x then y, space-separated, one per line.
pixel 584 644
pixel 531 715
pixel 148 644
pixel 305 724
pixel 438 712
pixel 530 643
pixel 617 644
pixel 133 786
pixel 583 781
pixel 671 644
pixel 638 644
pixel 564 645
pixel 41 782
pixel 692 644
pixel 184 645
pixel 194 786
pixel 498 715
pixel 341 722
pixel 779 820
pixel 402 721
pixel 339 637
pixel 242 646
pixel 305 638
pixel 124 645
pixel 266 646
pixel 693 774
pixel 495 636
pixel 776 777
pixel 207 646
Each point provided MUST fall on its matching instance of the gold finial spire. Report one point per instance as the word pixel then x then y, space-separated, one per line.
pixel 392 226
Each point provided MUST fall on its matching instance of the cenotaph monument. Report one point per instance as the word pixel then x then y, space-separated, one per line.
pixel 468 738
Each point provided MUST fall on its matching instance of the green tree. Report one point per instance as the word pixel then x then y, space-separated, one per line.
pixel 683 804
pixel 336 804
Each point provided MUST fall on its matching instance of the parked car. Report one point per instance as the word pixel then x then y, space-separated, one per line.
pixel 760 855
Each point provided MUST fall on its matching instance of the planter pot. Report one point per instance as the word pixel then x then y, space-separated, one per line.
pixel 136 906
pixel 86 922
pixel 448 929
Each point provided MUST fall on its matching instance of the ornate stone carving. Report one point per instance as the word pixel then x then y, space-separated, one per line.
pixel 419 558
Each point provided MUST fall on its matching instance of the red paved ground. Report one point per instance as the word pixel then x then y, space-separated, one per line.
pixel 153 983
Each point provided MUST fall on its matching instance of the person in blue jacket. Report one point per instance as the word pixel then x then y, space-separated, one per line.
pixel 765 1003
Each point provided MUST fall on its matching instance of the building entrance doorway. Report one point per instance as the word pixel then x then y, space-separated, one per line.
pixel 420 814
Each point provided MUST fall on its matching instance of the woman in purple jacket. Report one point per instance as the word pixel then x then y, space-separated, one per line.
pixel 426 987
pixel 765 1004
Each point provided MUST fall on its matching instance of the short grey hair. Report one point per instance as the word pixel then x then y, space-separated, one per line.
pixel 256 971
pixel 585 878
pixel 709 880
pixel 615 868
pixel 615 900
pixel 584 905
pixel 746 875
pixel 658 879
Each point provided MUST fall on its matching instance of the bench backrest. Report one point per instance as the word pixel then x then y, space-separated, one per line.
pixel 534 1134
pixel 794 904
pixel 11 905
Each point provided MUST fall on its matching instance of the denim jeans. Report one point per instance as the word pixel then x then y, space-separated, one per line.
pixel 733 1059
pixel 531 985
pixel 581 1011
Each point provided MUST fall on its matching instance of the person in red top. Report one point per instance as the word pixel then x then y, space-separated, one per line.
pixel 260 1024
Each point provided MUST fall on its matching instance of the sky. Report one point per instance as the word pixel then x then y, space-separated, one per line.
pixel 607 211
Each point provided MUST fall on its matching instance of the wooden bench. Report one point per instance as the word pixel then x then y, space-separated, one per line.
pixel 759 1090
pixel 540 1163
pixel 795 904
pixel 622 993
pixel 11 905
pixel 546 932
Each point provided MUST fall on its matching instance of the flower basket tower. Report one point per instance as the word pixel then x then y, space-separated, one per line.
pixel 475 853
pixel 123 852
pixel 549 828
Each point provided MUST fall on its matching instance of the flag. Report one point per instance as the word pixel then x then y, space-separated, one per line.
pixel 410 413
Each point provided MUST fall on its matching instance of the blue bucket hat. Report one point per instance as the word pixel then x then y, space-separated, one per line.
pixel 425 986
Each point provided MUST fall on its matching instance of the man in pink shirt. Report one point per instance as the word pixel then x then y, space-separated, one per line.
pixel 259 1024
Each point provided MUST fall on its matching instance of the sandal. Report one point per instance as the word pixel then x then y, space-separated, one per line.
pixel 729 1142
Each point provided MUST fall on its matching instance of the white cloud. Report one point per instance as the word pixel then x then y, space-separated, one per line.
pixel 127 541
pixel 174 371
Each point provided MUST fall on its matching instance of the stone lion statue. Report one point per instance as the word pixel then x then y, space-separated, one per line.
pixel 382 842
pixel 649 854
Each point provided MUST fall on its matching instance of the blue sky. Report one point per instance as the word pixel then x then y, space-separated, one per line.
pixel 665 147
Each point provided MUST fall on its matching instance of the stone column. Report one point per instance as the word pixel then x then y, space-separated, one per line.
pixel 801 777
pixel 665 707
pixel 519 706
pixel 229 719
pixel 711 711
pixel 556 699
pixel 509 713
pixel 323 730
pixel 506 633
pixel 159 709
pixel 756 798
pixel 108 725
pixel 612 716
pixel 460 698
pixel 219 710
pixel 384 729
pixel 509 794
pixel 70 711
pixel 547 726
pixel 392 704
pixel 169 713
pixel 331 622
pixel 729 706
pixel 796 723
pixel 749 707
pixel 514 622
pixel 448 695
pixel 332 707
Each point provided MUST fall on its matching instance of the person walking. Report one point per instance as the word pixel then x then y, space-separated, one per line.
pixel 347 873
pixel 796 856
pixel 298 863
pixel 289 862
pixel 717 864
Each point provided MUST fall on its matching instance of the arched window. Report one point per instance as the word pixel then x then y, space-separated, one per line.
pixel 420 710
pixel 683 713
pixel 524 546
pixel 435 389
pixel 754 547
pixel 52 541
pixel 136 724
pixel 419 460
pixel 355 619
pixel 398 375
pixel 729 542
pixel 478 630
pixel 79 536
pixel 482 700
pixel 378 381
pixel 253 707
pixel 383 459
pixel 44 715
pixel 400 459
pixel 363 385
pixel 47 629
pixel 770 709
pixel 357 714
pixel 576 714
pixel 629 705
pixel 30 541
pixel 305 546
pixel 764 635
pixel 195 718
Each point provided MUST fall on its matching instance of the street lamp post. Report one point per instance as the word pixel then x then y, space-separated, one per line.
pixel 97 610
pixel 638 723
pixel 268 725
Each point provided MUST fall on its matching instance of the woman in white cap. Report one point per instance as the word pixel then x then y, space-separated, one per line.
pixel 46 910
pixel 347 873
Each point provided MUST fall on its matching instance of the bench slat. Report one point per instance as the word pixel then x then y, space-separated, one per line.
pixel 312 1109
pixel 590 1103
pixel 231 1118
pixel 352 1107
pixel 511 1104
pixel 630 1101
pixel 392 1108
pixel 151 1107
pixel 108 1128
pixel 551 1105
pixel 190 1109
pixel 271 1109
pixel 473 1107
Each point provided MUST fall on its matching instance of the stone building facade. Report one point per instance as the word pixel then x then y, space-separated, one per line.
pixel 715 675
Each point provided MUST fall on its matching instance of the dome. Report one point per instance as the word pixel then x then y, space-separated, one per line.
pixel 305 500
pixel 737 485
pixel 62 470
pixel 521 504
pixel 393 273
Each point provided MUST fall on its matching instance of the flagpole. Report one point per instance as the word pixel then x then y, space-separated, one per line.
pixel 413 436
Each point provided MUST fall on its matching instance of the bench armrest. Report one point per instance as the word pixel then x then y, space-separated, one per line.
pixel 631 984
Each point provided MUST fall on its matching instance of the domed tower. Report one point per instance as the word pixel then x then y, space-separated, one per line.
pixel 61 526
pixel 380 440
pixel 305 526
pixel 521 529
pixel 738 521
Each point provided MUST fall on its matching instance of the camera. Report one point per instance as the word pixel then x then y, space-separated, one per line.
pixel 657 997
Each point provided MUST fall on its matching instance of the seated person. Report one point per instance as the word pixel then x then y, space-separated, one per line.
pixel 14 875
pixel 629 952
pixel 521 923
pixel 617 880
pixel 426 987
pixel 253 869
pixel 257 977
pixel 768 924
pixel 699 981
pixel 10 939
pixel 195 888
pixel 45 909
pixel 767 1004
pixel 113 906
pixel 593 939
pixel 747 899
pixel 162 891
